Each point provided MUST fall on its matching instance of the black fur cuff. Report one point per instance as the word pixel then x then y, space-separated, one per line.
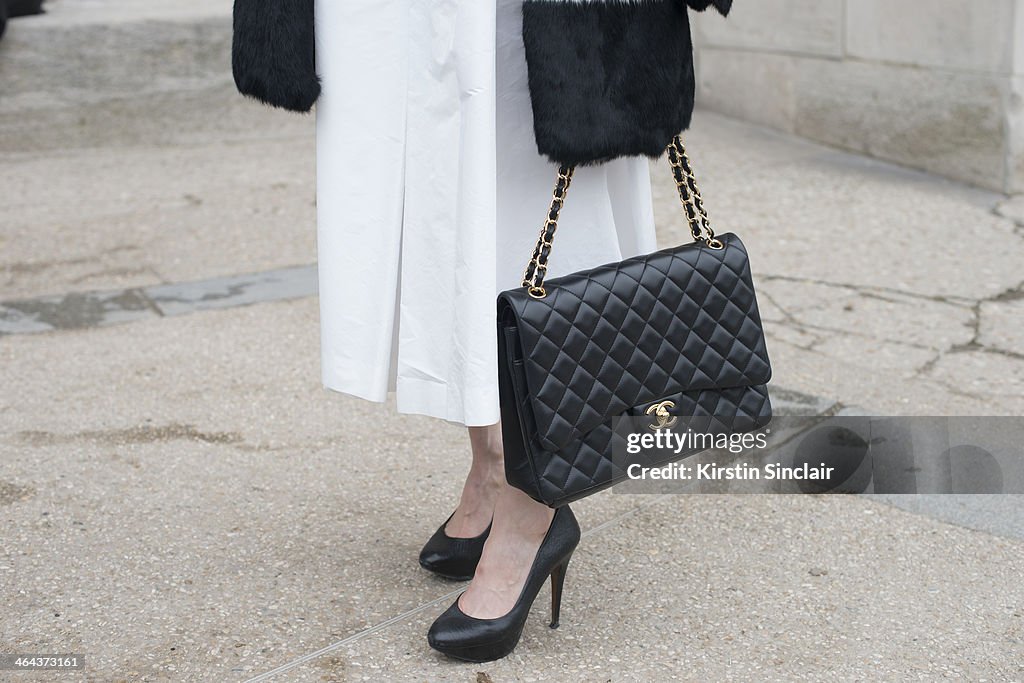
pixel 609 78
pixel 273 52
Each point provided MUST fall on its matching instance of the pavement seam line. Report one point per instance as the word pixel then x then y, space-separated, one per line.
pixel 376 628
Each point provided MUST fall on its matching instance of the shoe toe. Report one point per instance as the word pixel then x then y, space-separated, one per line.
pixel 444 633
pixel 450 558
pixel 431 558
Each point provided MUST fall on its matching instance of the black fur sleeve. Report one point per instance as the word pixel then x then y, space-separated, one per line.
pixel 723 6
pixel 608 79
pixel 273 52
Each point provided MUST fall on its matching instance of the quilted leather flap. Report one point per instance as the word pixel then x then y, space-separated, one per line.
pixel 627 333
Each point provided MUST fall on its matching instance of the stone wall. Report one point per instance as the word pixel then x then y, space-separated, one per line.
pixel 933 84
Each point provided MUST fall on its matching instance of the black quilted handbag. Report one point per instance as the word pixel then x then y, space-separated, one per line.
pixel 676 332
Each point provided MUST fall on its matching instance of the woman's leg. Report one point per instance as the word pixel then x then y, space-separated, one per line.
pixel 520 524
pixel 483 484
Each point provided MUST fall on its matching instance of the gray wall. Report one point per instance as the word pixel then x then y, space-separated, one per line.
pixel 933 84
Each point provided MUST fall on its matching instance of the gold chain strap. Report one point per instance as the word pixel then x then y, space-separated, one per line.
pixel 537 268
pixel 689 195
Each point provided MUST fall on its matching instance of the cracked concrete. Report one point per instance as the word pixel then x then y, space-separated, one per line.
pixel 880 285
pixel 1001 328
pixel 907 333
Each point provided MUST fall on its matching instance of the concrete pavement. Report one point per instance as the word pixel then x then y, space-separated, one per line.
pixel 180 500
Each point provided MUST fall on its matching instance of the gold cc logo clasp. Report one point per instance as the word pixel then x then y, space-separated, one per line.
pixel 662 418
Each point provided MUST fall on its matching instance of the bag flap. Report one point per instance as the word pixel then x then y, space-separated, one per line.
pixel 607 339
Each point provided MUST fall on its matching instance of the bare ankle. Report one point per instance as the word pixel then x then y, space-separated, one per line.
pixel 480 494
pixel 521 515
pixel 486 445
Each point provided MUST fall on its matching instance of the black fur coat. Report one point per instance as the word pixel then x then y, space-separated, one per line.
pixel 608 78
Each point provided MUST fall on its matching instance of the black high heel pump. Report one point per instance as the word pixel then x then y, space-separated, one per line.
pixel 452 558
pixel 462 636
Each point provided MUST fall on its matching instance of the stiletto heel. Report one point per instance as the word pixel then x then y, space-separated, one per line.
pixel 462 636
pixel 557 579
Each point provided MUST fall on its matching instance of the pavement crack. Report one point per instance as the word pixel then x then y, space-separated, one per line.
pixel 975 326
pixel 929 365
pixel 959 391
pixel 1004 209
pixel 786 313
pixel 810 348
pixel 875 290
pixel 974 344
pixel 812 330
pixel 980 348
pixel 150 304
pixel 1012 294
